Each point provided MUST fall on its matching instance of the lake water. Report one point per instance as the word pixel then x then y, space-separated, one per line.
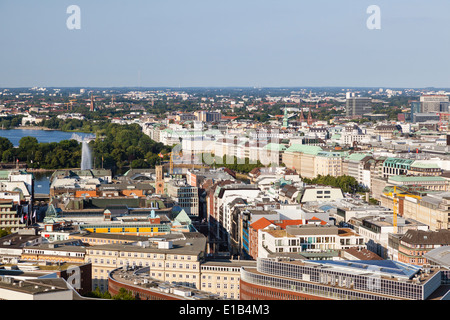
pixel 14 135
pixel 42 182
pixel 42 179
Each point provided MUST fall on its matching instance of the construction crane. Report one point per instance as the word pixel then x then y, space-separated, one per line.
pixel 170 154
pixel 393 193
pixel 71 103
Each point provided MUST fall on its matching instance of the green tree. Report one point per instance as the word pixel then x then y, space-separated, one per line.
pixel 140 164
pixel 124 295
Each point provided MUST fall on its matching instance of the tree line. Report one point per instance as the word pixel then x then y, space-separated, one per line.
pixel 346 183
pixel 233 163
pixel 45 155
pixel 116 147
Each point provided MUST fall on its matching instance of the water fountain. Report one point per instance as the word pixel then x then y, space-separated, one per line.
pixel 86 153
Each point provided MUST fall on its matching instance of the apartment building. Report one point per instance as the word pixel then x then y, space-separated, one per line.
pixel 225 199
pixel 415 244
pixel 354 165
pixel 310 237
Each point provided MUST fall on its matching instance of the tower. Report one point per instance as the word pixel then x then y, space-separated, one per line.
pixel 285 118
pixel 310 119
pixel 92 103
pixel 159 186
pixel 302 117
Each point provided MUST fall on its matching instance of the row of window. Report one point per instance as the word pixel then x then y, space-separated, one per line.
pixel 139 255
pixel 146 264
pixel 360 282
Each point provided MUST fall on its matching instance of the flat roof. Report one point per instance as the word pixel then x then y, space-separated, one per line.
pixel 386 267
pixel 440 255
pixel 35 286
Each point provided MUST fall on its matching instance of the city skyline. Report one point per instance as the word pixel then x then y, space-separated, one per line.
pixel 204 44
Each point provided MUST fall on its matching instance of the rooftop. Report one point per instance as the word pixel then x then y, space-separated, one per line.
pixel 139 277
pixel 382 267
pixel 440 256
pixel 400 178
pixel 304 149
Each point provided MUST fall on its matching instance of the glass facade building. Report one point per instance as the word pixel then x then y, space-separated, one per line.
pixel 339 280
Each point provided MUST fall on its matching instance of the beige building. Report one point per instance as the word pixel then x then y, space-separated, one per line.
pixel 320 193
pixel 176 260
pixel 329 163
pixel 8 215
pixel 432 209
pixel 223 277
pixel 180 260
pixel 302 159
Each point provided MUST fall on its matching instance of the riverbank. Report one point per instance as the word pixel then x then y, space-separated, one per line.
pixel 47 129
pixel 33 128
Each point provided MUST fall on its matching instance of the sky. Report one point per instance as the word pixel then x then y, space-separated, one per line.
pixel 227 43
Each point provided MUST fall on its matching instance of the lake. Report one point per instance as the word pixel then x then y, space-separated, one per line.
pixel 42 179
pixel 42 182
pixel 14 135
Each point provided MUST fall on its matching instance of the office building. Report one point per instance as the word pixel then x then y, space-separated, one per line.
pixel 288 279
pixel 358 106
pixel 434 103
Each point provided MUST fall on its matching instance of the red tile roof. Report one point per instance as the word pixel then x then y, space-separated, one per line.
pixel 261 223
pixel 285 223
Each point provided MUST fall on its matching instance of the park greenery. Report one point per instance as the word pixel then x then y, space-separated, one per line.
pixel 54 155
pixel 347 184
pixel 233 163
pixel 119 146
pixel 116 147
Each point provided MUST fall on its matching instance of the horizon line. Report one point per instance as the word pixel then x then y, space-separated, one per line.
pixel 221 87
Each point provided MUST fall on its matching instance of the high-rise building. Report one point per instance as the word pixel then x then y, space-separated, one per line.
pixel 434 103
pixel 207 116
pixel 416 107
pixel 356 106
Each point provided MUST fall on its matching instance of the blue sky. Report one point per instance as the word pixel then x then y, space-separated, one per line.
pixel 268 43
